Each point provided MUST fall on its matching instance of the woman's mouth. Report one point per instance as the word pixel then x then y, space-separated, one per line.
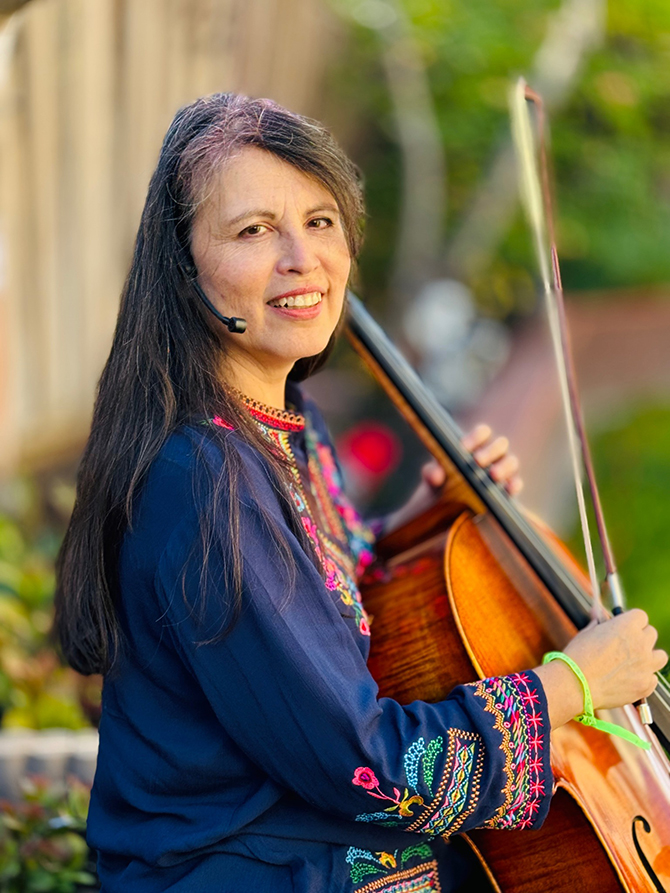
pixel 308 300
pixel 306 306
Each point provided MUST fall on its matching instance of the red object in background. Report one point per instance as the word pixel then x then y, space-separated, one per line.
pixel 369 452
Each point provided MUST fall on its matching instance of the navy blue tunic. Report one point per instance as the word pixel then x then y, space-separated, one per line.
pixel 265 760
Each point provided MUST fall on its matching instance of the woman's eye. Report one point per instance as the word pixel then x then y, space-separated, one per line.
pixel 254 230
pixel 321 222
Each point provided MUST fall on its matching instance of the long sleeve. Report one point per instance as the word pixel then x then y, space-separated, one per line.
pixel 290 686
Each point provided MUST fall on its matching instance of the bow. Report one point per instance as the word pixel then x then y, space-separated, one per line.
pixel 536 196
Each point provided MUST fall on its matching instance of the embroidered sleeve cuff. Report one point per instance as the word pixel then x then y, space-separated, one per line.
pixel 440 788
pixel 518 713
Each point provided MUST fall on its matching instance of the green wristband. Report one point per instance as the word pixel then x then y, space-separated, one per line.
pixel 588 717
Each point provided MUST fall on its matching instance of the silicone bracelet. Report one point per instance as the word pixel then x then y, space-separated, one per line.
pixel 588 717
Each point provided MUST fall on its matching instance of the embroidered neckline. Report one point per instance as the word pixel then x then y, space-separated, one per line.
pixel 340 539
pixel 270 416
pixel 284 419
pixel 315 501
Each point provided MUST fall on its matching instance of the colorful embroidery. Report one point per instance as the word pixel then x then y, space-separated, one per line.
pixel 420 879
pixel 513 701
pixel 363 864
pixel 359 534
pixel 219 422
pixel 328 535
pixel 341 540
pixel 448 804
pixel 367 779
pixel 284 419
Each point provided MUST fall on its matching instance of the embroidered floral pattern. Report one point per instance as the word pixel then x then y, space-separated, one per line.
pixel 448 803
pixel 341 540
pixel 366 778
pixel 513 701
pixel 359 534
pixel 329 536
pixel 396 867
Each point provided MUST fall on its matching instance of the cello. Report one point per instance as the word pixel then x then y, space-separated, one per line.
pixel 475 588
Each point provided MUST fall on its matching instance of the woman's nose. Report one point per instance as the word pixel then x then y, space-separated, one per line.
pixel 297 254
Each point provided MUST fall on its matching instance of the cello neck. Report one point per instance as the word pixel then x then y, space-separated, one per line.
pixel 441 434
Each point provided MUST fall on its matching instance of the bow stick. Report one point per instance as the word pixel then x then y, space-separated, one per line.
pixel 536 195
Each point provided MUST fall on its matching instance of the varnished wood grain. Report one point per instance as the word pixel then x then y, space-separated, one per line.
pixel 466 606
pixel 564 856
pixel 416 652
pixel 504 615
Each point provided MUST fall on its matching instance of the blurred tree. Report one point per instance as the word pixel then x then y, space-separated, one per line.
pixel 418 247
pixel 609 138
pixel 42 845
pixel 613 157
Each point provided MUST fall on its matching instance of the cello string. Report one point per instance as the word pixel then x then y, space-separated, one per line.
pixel 535 208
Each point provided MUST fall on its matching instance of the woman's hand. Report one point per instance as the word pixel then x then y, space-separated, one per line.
pixel 619 661
pixel 490 453
pixel 618 658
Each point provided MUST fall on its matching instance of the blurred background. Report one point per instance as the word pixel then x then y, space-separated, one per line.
pixel 416 91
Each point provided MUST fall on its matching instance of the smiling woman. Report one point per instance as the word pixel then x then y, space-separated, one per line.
pixel 211 563
pixel 269 246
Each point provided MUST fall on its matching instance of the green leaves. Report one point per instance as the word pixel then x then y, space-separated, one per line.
pixel 609 140
pixel 36 690
pixel 42 847
pixel 633 471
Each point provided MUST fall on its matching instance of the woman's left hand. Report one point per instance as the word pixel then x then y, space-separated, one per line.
pixel 493 454
pixel 490 452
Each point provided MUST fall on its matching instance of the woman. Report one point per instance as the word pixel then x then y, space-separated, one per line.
pixel 210 566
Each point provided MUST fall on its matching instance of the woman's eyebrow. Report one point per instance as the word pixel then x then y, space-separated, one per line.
pixel 270 215
pixel 332 208
pixel 254 212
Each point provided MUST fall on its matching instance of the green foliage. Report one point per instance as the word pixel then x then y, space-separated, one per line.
pixel 633 469
pixel 42 848
pixel 36 690
pixel 611 150
pixel 610 140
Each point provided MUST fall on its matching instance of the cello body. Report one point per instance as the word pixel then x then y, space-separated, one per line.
pixel 462 605
pixel 473 589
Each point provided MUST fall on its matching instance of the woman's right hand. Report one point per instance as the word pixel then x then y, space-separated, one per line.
pixel 618 658
pixel 619 661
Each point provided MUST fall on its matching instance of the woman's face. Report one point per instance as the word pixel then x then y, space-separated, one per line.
pixel 269 246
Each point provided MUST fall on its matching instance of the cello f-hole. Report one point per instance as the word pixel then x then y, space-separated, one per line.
pixel 650 871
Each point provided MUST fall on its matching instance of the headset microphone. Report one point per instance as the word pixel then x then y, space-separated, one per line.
pixel 234 324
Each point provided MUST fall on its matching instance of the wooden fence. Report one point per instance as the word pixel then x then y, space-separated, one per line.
pixel 87 89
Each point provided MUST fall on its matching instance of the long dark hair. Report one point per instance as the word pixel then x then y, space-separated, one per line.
pixel 163 370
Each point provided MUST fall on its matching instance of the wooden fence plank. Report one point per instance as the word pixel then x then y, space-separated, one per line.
pixel 88 89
